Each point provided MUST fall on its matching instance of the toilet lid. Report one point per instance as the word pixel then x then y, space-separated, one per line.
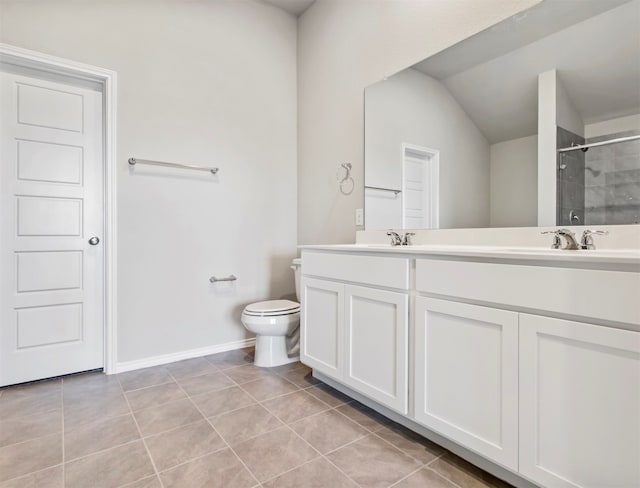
pixel 273 307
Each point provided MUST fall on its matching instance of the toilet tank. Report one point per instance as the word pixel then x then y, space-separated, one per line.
pixel 296 266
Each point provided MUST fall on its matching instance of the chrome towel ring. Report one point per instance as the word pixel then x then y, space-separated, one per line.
pixel 345 180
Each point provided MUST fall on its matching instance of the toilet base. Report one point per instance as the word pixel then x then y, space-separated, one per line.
pixel 272 351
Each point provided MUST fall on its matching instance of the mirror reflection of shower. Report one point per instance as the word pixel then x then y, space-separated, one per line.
pixel 598 178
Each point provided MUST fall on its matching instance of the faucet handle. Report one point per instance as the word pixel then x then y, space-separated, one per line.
pixel 406 239
pixel 586 242
pixel 396 240
pixel 557 244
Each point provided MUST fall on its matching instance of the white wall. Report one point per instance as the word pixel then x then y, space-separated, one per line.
pixel 205 82
pixel 411 107
pixel 344 46
pixel 567 116
pixel 547 137
pixel 605 127
pixel 514 173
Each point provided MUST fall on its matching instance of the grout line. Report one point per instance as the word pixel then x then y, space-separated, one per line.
pixel 64 472
pixel 228 366
pixel 270 398
pixel 155 468
pixel 241 386
pixel 216 431
pixel 444 478
pixel 398 449
pixel 405 477
pixel 340 470
pixel 194 459
pixel 101 451
pixel 282 424
pixel 226 412
pixel 30 473
pixel 133 483
pixel 347 444
pixel 328 407
pixel 30 438
pixel 345 415
pixel 319 454
pixel 293 469
pixel 147 387
pixel 437 457
pixel 324 456
pixel 156 434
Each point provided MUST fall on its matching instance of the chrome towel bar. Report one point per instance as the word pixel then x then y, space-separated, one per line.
pixel 134 161
pixel 383 189
pixel 213 279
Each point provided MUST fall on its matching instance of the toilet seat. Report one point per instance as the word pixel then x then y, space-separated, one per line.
pixel 272 308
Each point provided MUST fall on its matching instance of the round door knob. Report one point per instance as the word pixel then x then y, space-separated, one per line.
pixel 94 241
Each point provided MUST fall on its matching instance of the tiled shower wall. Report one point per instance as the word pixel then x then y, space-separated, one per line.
pixel 612 181
pixel 570 180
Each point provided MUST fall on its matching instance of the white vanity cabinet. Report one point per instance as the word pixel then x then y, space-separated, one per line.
pixel 579 404
pixel 466 376
pixel 358 334
pixel 531 364
pixel 555 400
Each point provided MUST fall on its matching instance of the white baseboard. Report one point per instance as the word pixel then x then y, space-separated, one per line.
pixel 121 367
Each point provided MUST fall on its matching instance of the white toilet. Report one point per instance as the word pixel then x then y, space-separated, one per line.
pixel 274 322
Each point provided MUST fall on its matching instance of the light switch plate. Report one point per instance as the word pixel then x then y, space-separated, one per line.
pixel 359 216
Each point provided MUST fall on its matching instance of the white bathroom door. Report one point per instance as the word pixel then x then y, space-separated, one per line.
pixel 51 229
pixel 420 187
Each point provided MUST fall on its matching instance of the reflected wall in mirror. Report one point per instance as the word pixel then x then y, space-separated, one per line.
pixel 483 133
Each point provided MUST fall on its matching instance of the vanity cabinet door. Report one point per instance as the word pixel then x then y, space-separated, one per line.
pixel 579 404
pixel 466 376
pixel 376 345
pixel 322 326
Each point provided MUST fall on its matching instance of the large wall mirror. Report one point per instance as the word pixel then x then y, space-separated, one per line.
pixel 535 121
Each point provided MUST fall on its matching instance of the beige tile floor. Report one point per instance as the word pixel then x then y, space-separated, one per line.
pixel 211 422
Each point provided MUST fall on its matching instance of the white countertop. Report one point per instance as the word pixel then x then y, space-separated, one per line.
pixel 608 256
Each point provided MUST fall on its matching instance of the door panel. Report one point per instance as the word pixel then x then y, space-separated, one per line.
pixel 49 216
pixel 49 162
pixel 51 202
pixel 49 105
pixel 47 271
pixel 53 324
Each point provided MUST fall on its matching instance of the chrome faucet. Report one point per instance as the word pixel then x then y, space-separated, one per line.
pixel 396 240
pixel 400 240
pixel 586 242
pixel 406 239
pixel 568 236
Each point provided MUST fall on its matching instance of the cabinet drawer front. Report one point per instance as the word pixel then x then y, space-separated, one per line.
pixel 372 270
pixel 600 294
